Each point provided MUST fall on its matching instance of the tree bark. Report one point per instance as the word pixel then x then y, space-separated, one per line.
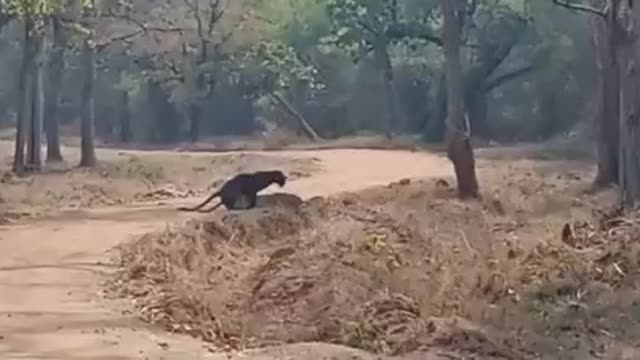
pixel 195 115
pixel 384 63
pixel 165 118
pixel 34 143
pixel 24 112
pixel 56 68
pixel 195 84
pixel 435 127
pixel 629 53
pixel 606 118
pixel 478 108
pixel 87 146
pixel 124 117
pixel 459 147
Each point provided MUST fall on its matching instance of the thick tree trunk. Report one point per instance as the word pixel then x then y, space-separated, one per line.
pixel 608 113
pixel 55 71
pixel 629 53
pixel 34 143
pixel 26 83
pixel 87 146
pixel 459 146
pixel 391 101
pixel 124 117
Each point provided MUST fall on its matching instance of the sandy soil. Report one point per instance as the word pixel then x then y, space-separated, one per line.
pixel 49 273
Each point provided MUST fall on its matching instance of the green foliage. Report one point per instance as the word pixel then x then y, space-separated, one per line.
pixel 129 82
pixel 356 23
pixel 280 66
pixel 29 8
pixel 305 49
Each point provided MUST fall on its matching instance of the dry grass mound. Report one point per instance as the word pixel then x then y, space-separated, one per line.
pixel 394 270
pixel 321 271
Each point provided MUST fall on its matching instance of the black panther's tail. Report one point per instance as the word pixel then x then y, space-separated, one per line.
pixel 211 208
pixel 205 202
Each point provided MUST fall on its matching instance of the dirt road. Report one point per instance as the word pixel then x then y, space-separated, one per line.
pixel 49 270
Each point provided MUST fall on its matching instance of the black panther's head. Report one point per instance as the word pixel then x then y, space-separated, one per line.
pixel 279 178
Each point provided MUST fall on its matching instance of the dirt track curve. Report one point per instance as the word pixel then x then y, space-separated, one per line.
pixel 49 270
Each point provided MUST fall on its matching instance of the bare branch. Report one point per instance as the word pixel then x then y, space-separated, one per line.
pixel 142 29
pixel 499 80
pixel 104 43
pixel 367 27
pixel 142 26
pixel 581 7
pixel 215 15
pixel 264 19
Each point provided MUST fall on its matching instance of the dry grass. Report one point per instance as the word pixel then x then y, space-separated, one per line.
pixel 389 270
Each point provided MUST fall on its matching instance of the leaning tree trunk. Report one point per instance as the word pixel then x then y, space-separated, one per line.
pixel 607 115
pixel 34 143
pixel 87 128
pixel 24 111
pixel 308 130
pixel 55 71
pixel 629 53
pixel 459 146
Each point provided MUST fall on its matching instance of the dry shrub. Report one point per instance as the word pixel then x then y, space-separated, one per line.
pixel 388 323
pixel 172 276
pixel 605 250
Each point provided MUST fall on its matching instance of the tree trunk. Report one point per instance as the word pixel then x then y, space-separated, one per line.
pixel 194 121
pixel 629 53
pixel 165 119
pixel 434 129
pixel 308 130
pixel 124 117
pixel 195 84
pixel 87 147
pixel 606 118
pixel 477 105
pixel 34 143
pixel 459 147
pixel 24 112
pixel 384 63
pixel 195 106
pixel 56 68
